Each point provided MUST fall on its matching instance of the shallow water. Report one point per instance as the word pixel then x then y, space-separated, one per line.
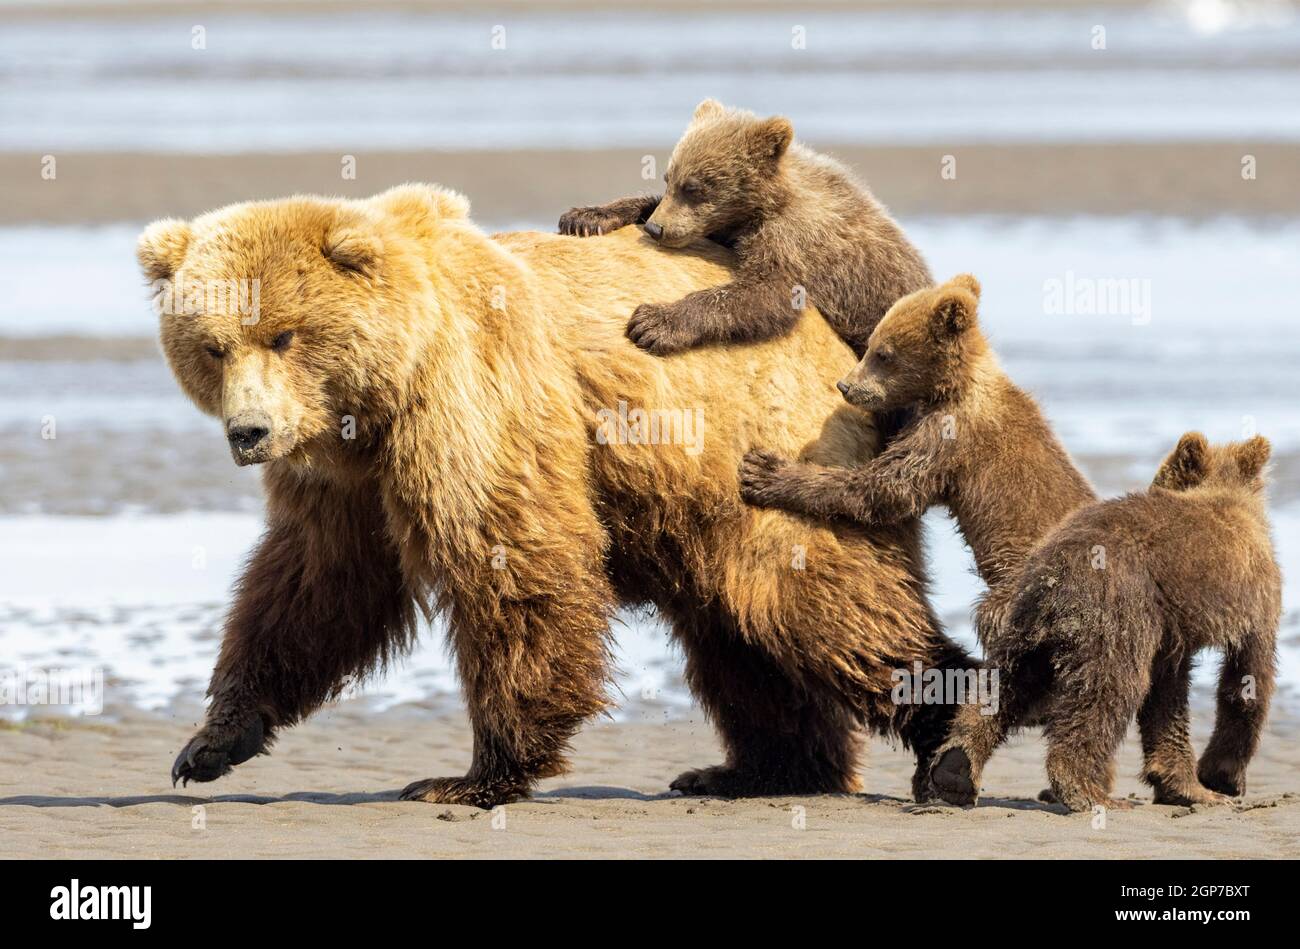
pixel 383 79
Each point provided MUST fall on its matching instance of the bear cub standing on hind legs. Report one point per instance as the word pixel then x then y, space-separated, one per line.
pixel 1106 619
pixel 796 219
pixel 975 442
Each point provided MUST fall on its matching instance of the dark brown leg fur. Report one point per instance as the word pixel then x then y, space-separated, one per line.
pixel 1024 679
pixel 924 728
pixel 1240 718
pixel 779 737
pixel 1169 764
pixel 321 600
pixel 604 218
pixel 1088 716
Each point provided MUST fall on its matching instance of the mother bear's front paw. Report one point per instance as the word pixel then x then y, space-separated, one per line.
pixel 482 794
pixel 217 748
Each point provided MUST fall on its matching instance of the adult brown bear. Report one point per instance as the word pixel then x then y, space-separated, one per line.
pixel 441 416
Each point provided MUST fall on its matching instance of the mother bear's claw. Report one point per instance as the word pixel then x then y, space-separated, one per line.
pixel 216 749
pixel 462 791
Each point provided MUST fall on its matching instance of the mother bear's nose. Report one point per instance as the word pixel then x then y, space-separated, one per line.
pixel 654 230
pixel 245 437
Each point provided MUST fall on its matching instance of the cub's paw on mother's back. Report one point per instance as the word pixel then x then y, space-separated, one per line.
pixel 590 221
pixel 661 328
pixel 218 747
pixel 761 481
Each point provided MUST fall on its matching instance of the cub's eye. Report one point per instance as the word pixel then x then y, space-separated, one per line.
pixel 884 356
pixel 692 189
pixel 281 342
pixel 215 353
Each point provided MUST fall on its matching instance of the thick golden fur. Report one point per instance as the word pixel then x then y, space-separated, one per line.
pixel 475 370
pixel 798 220
pixel 975 442
pixel 1107 616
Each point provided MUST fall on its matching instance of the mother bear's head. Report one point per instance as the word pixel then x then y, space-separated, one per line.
pixel 292 322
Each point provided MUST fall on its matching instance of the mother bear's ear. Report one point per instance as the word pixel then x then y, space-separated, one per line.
pixel 421 203
pixel 161 248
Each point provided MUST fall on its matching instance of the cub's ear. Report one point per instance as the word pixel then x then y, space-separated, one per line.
pixel 953 313
pixel 161 248
pixel 968 282
pixel 1252 456
pixel 353 250
pixel 709 109
pixel 772 137
pixel 420 203
pixel 1186 466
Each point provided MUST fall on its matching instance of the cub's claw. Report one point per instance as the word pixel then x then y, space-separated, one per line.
pixel 588 222
pixel 216 749
pixel 759 477
pixel 656 329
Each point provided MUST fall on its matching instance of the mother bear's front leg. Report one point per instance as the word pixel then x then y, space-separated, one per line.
pixel 322 599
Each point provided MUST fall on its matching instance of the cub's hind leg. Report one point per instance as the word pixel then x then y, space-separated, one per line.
pixel 1169 764
pixel 1246 684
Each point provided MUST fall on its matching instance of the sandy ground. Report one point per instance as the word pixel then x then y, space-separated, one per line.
pixel 92 789
pixel 1192 179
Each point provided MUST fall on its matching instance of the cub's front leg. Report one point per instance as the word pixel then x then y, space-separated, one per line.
pixel 897 485
pixel 769 480
pixel 736 312
pixel 603 218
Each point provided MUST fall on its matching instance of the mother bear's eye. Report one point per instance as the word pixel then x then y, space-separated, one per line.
pixel 214 352
pixel 281 342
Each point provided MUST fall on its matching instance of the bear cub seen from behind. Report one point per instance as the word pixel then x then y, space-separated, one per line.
pixel 803 229
pixel 1106 619
pixel 975 442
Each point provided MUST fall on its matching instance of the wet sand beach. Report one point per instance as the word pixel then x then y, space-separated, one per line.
pixel 330 787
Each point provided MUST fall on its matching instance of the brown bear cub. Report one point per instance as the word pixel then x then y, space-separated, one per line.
pixel 803 229
pixel 1106 619
pixel 975 442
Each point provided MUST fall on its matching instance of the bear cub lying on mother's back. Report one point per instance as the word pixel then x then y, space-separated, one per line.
pixel 796 219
